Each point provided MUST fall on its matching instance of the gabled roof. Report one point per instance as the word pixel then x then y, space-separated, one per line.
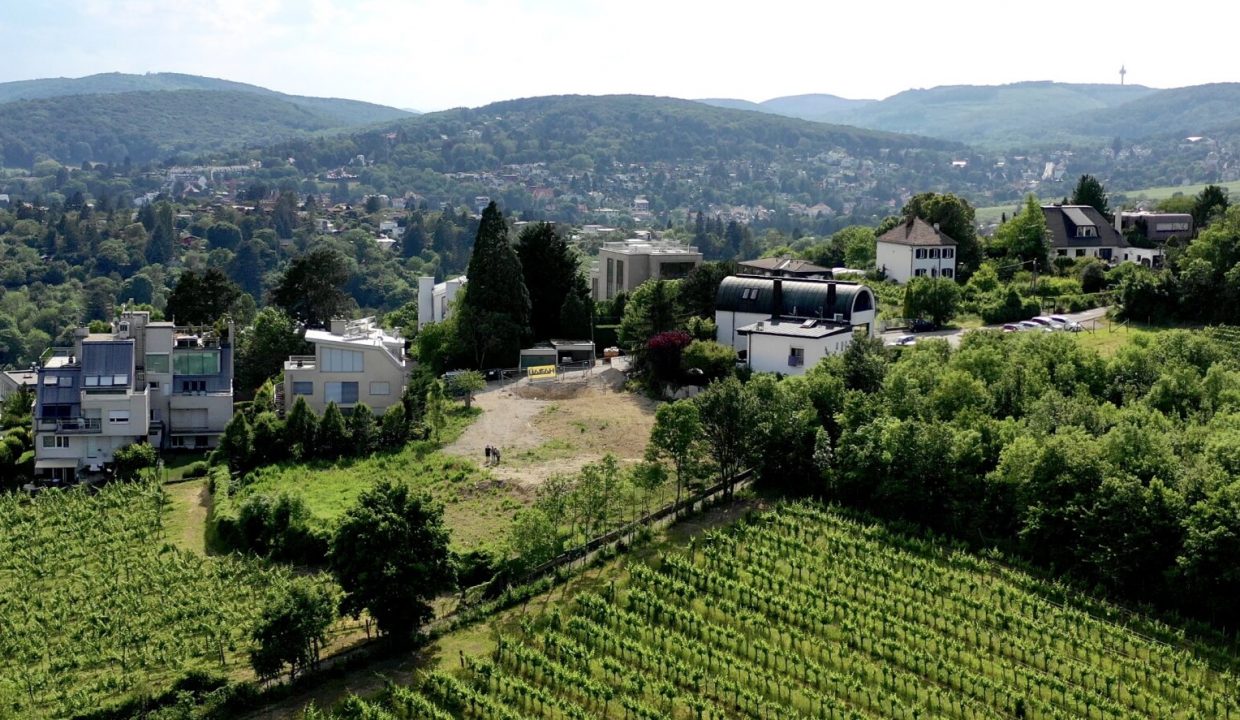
pixel 1062 222
pixel 916 231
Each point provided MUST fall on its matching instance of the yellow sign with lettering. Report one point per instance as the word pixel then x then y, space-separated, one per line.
pixel 541 372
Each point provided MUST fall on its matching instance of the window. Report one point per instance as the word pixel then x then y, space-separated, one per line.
pixel 64 381
pixel 189 386
pixel 337 360
pixel 1061 253
pixel 934 272
pixel 119 380
pixel 948 272
pixel 920 253
pixel 934 253
pixel 49 380
pixel 949 253
pixel 619 274
pixel 1080 253
pixel 380 388
pixel 1084 231
pixel 749 294
pixel 196 362
pixel 157 362
pixel 92 381
pixel 118 417
pixel 341 393
pixel 796 357
pixel 55 441
pixel 919 272
pixel 304 387
pixel 153 385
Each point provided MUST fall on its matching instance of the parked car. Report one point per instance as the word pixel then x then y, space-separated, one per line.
pixel 922 325
pixel 1073 326
pixel 1031 325
pixel 1045 322
pixel 906 340
pixel 1011 327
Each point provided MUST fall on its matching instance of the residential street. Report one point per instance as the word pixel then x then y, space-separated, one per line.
pixel 1086 318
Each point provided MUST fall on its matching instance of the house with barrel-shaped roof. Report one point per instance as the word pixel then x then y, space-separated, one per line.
pixel 786 325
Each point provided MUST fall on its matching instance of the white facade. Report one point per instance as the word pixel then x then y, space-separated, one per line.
pixel 789 348
pixel 355 363
pixel 904 262
pixel 143 382
pixel 435 299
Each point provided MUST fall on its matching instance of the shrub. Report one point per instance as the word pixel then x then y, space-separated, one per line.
pixel 196 469
pixel 714 360
pixel 663 352
pixel 129 462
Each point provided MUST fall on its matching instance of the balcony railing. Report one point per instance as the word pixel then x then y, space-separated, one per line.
pixel 68 426
pixel 299 361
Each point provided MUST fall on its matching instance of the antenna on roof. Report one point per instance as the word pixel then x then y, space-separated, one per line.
pixel 1122 73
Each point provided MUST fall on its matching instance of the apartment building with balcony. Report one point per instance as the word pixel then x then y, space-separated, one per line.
pixel 354 362
pixel 143 381
pixel 624 265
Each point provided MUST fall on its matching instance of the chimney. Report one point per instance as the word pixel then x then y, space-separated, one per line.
pixel 936 227
pixel 777 300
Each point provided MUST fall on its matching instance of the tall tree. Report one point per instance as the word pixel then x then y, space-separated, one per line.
pixel 264 347
pixel 577 313
pixel 726 415
pixel 1209 204
pixel 390 555
pixel 493 316
pixel 160 249
pixel 697 290
pixel 312 288
pixel 413 242
pixel 284 215
pixel 650 310
pixel 549 268
pixel 1089 191
pixel 292 628
pixel 246 269
pixel 935 298
pixel 677 434
pixel 955 218
pixel 1025 236
pixel 201 298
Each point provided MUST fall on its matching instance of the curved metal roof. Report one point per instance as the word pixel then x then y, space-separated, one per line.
pixel 800 298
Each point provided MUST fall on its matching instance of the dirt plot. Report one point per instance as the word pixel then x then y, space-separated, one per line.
pixel 556 427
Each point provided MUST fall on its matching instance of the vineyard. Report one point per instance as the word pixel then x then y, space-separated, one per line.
pixel 801 613
pixel 97 606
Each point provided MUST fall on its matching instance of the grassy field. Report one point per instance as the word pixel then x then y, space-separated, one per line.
pixel 476 509
pixel 98 605
pixel 1106 336
pixel 801 612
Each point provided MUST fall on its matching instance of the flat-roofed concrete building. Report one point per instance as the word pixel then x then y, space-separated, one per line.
pixel 625 264
pixel 145 381
pixel 353 363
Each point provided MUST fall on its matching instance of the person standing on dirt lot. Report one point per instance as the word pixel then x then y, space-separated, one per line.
pixel 495 455
pixel 488 453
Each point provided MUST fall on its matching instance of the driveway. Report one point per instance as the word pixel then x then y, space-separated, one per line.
pixel 1086 318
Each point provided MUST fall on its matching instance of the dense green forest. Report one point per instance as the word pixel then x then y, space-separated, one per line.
pixel 143 126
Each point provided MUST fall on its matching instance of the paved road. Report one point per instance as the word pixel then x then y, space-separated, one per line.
pixel 1086 318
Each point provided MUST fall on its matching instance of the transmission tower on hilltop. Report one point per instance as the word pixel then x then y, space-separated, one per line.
pixel 1122 73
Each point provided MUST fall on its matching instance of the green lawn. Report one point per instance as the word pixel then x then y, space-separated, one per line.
pixel 476 509
pixel 1106 336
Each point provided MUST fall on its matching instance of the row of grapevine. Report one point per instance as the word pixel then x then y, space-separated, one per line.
pixel 96 606
pixel 802 613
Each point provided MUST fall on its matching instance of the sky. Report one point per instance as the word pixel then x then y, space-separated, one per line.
pixel 437 54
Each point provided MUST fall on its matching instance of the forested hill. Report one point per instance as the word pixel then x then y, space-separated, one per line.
pixel 157 125
pixel 1195 110
pixel 344 112
pixel 990 114
pixel 678 152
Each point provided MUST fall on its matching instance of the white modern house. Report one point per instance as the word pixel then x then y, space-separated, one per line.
pixel 144 381
pixel 625 264
pixel 788 325
pixel 914 248
pixel 435 299
pixel 355 362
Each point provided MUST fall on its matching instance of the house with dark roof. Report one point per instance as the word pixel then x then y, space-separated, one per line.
pixel 915 248
pixel 784 267
pixel 787 325
pixel 1080 231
